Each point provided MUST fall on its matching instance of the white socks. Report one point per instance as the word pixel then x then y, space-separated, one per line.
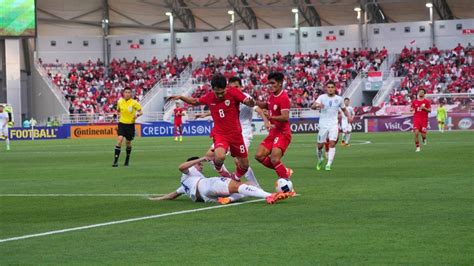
pixel 252 191
pixel 236 196
pixel 347 138
pixel 331 153
pixel 251 177
pixel 7 142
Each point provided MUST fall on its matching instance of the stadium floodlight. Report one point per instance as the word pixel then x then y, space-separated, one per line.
pixel 357 9
pixel 230 12
pixel 294 10
pixel 169 14
pixel 429 5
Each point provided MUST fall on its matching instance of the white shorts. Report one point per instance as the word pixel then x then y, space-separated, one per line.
pixel 326 133
pixel 346 126
pixel 4 131
pixel 214 187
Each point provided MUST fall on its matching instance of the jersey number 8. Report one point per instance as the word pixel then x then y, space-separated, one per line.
pixel 221 113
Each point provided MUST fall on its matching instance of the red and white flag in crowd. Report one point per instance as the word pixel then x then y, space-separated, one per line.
pixel 413 42
pixel 375 76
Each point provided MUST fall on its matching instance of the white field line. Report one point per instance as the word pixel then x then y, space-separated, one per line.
pixel 80 228
pixel 79 195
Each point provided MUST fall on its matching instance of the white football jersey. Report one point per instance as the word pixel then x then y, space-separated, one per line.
pixel 328 114
pixel 189 183
pixel 246 115
pixel 3 118
pixel 351 113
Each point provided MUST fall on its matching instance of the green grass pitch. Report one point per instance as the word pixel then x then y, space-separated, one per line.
pixel 381 204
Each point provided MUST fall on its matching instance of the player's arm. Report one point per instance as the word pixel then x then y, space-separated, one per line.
pixel 427 108
pixel 264 115
pixel 284 117
pixel 347 114
pixel 203 115
pixel 170 196
pixel 249 101
pixel 317 105
pixel 184 167
pixel 261 104
pixel 188 100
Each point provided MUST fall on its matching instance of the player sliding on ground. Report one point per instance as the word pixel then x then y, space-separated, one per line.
pixel 245 117
pixel 276 116
pixel 224 104
pixel 4 119
pixel 421 108
pixel 329 104
pixel 215 189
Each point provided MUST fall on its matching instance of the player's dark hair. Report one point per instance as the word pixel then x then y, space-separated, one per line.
pixel 347 99
pixel 192 158
pixel 331 82
pixel 277 76
pixel 421 89
pixel 218 81
pixel 236 79
pixel 127 89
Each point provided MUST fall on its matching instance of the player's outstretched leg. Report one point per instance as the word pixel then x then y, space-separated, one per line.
pixel 253 191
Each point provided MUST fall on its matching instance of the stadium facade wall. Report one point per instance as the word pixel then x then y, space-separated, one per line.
pixel 73 49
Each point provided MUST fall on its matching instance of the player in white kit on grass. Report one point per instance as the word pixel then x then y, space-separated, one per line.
pixel 245 117
pixel 329 105
pixel 215 189
pixel 346 126
pixel 4 119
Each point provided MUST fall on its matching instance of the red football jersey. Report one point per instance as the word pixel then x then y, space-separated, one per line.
pixel 225 112
pixel 420 115
pixel 275 105
pixel 178 115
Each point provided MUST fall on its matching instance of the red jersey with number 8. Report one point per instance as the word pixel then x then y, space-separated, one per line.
pixel 225 112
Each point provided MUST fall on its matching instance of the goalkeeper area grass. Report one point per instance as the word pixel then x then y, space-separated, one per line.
pixel 61 202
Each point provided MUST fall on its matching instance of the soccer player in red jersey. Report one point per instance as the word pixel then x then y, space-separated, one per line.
pixel 276 115
pixel 421 108
pixel 224 104
pixel 178 122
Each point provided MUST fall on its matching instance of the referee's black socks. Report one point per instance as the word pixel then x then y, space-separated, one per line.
pixel 129 151
pixel 117 154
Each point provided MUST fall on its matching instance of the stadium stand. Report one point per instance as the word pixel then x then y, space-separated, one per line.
pixel 90 90
pixel 308 72
pixel 445 71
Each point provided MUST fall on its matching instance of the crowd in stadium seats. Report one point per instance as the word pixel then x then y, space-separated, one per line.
pixel 446 71
pixel 306 74
pixel 90 90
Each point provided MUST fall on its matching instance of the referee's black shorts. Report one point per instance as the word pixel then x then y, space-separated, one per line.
pixel 126 130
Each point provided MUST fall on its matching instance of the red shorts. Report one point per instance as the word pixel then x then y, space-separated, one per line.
pixel 420 125
pixel 178 123
pixel 277 140
pixel 235 145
